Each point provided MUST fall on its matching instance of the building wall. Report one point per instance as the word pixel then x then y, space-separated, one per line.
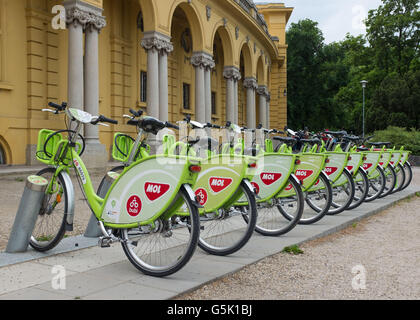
pixel 33 62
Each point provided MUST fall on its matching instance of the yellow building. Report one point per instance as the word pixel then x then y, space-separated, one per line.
pixel 215 60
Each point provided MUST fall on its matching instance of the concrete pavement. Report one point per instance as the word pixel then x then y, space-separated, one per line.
pixel 106 274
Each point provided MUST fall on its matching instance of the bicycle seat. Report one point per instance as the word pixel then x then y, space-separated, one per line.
pixel 380 144
pixel 336 133
pixel 284 139
pixel 310 140
pixel 362 149
pixel 351 138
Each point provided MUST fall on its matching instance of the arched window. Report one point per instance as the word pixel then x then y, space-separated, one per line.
pixel 140 23
pixel 2 156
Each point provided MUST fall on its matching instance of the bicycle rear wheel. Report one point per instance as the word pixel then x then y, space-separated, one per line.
pixel 408 175
pixel 361 191
pixel 163 248
pixel 376 184
pixel 343 193
pixel 400 175
pixel 318 198
pixel 228 230
pixel 281 215
pixel 50 225
pixel 390 179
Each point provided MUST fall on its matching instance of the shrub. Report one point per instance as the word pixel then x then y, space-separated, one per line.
pixel 399 137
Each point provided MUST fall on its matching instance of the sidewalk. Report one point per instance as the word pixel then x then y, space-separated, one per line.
pixel 105 274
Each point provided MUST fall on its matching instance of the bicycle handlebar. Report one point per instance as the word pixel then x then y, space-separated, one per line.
pixel 102 118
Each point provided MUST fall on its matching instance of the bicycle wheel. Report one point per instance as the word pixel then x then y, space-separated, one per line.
pixel 166 246
pixel 361 183
pixel 318 198
pixel 271 223
pixel 408 175
pixel 51 222
pixel 376 184
pixel 400 175
pixel 228 230
pixel 390 178
pixel 343 193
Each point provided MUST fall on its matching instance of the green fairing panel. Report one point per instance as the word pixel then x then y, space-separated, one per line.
pixel 371 161
pixel 355 162
pixel 385 159
pixel 145 190
pixel 218 180
pixel 337 162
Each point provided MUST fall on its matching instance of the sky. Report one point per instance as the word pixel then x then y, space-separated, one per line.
pixel 335 17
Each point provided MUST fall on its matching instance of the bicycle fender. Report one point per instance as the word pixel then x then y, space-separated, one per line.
pixel 70 189
pixel 250 187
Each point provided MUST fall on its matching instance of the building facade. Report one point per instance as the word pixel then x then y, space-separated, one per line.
pixel 215 60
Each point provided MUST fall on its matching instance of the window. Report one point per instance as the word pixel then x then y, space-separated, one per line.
pixel 213 103
pixel 2 156
pixel 143 86
pixel 186 96
pixel 140 23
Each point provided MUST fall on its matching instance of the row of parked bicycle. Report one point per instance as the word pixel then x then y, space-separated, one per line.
pixel 213 187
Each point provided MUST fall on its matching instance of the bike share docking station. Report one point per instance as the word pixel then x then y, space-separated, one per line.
pixel 29 207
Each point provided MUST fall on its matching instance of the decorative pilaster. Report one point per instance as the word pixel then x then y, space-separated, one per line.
pixel 263 93
pixel 250 84
pixel 203 63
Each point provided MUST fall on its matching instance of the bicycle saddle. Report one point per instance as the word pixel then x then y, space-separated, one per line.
pixel 380 144
pixel 310 140
pixel 285 139
pixel 351 138
pixel 336 133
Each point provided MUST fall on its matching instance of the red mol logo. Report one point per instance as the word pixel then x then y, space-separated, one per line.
pixel 133 206
pixel 303 174
pixel 218 184
pixel 269 178
pixel 202 196
pixel 349 168
pixel 330 170
pixel 155 190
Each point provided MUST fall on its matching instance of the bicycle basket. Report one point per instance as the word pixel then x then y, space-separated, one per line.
pixel 48 142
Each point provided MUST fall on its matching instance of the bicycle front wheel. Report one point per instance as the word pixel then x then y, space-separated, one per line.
pixel 376 184
pixel 408 175
pixel 400 175
pixel 282 214
pixel 50 225
pixel 390 179
pixel 343 193
pixel 361 191
pixel 166 246
pixel 228 230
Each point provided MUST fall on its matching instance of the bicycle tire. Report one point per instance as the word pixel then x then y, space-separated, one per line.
pixel 400 176
pixel 336 208
pixel 215 244
pixel 361 185
pixel 408 175
pixel 390 179
pixel 191 232
pixel 375 190
pixel 310 196
pixel 41 230
pixel 280 208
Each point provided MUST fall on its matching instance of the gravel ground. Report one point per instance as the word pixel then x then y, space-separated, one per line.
pixel 384 247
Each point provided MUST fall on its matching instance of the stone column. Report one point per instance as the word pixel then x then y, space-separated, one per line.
pixel 202 63
pixel 76 19
pixel 165 47
pixel 91 73
pixel 251 85
pixel 268 110
pixel 262 93
pixel 232 76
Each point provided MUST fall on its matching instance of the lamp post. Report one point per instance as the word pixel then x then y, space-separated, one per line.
pixel 363 82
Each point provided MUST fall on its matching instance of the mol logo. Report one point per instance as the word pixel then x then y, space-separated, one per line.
pixel 269 178
pixel 155 190
pixel 134 206
pixel 330 170
pixel 303 174
pixel 218 184
pixel 349 168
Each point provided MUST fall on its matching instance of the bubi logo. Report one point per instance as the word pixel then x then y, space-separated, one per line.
pixel 330 170
pixel 269 178
pixel 303 174
pixel 202 196
pixel 256 187
pixel 155 190
pixel 367 165
pixel 218 184
pixel 133 206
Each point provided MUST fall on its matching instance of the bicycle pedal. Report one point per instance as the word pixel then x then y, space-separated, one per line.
pixel 104 242
pixel 201 227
